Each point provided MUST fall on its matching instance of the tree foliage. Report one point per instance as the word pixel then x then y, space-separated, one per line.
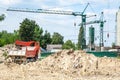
pixel 68 45
pixel 81 39
pixel 46 39
pixel 7 38
pixel 57 38
pixel 2 17
pixel 38 32
pixel 27 30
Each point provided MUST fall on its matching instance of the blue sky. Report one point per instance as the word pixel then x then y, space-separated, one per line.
pixel 62 24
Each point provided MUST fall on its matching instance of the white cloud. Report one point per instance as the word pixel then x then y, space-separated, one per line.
pixel 97 1
pixel 43 6
pixel 69 2
pixel 56 8
pixel 58 22
pixel 110 11
pixel 90 13
pixel 60 9
pixel 10 2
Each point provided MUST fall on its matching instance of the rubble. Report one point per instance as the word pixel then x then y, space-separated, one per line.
pixel 82 64
pixel 64 65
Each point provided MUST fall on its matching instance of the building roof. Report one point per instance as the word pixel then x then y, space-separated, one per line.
pixel 54 46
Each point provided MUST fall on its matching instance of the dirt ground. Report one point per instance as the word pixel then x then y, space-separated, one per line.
pixel 64 65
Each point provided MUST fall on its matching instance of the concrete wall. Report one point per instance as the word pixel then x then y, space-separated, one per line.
pixel 118 28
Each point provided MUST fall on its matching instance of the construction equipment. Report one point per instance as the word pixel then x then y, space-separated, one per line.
pixel 24 51
pixel 101 21
pixel 47 11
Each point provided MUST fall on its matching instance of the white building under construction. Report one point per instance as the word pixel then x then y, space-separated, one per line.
pixel 118 28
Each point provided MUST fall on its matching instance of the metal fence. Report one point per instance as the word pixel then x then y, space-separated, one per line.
pixel 97 54
pixel 102 54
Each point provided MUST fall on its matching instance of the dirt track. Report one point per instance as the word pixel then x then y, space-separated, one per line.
pixel 64 65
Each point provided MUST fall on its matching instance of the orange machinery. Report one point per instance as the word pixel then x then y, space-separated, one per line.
pixel 25 51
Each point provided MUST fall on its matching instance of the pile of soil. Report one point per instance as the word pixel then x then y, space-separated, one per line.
pixel 4 51
pixel 80 63
pixel 1 56
pixel 64 65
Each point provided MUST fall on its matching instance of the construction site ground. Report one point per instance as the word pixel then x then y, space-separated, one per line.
pixel 63 65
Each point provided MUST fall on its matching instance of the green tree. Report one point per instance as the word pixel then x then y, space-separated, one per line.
pixel 2 42
pixel 68 45
pixel 2 17
pixel 4 39
pixel 27 30
pixel 16 35
pixel 81 39
pixel 38 33
pixel 46 39
pixel 57 38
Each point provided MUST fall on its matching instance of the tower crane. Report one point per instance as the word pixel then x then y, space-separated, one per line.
pixel 46 11
pixel 101 21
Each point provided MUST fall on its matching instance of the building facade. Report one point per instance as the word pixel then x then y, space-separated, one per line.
pixel 118 28
pixel 54 47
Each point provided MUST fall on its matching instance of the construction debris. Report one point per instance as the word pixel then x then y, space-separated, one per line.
pixel 64 65
pixel 80 63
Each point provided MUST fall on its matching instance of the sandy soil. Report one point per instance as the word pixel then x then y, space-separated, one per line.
pixel 64 65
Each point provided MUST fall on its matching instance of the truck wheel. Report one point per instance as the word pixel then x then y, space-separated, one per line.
pixel 34 59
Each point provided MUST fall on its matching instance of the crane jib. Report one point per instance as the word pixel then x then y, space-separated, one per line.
pixel 46 11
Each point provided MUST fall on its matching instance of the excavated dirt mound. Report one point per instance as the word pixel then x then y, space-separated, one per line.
pixel 2 58
pixel 4 51
pixel 80 63
pixel 64 65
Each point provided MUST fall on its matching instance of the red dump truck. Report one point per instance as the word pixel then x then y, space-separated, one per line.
pixel 25 51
